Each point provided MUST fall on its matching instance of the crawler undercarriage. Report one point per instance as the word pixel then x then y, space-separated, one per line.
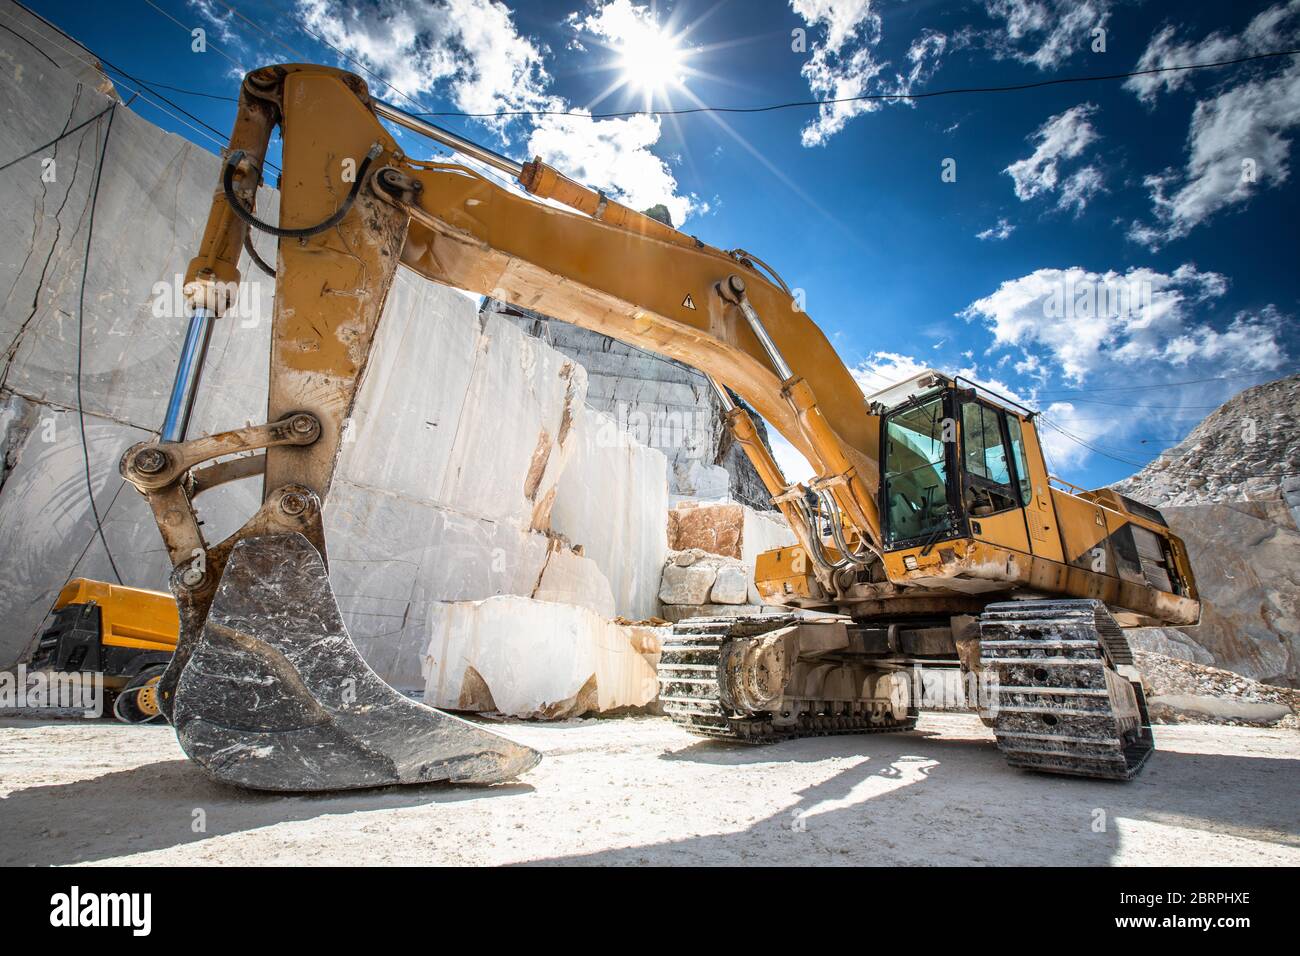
pixel 1054 680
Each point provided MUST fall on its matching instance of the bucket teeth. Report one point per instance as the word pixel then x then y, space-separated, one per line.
pixel 276 696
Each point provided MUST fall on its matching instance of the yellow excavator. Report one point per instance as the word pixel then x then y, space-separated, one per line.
pixel 932 531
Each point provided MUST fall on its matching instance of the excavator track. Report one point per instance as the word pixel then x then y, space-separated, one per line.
pixel 690 689
pixel 1061 706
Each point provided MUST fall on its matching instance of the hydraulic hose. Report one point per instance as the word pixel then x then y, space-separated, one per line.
pixel 228 185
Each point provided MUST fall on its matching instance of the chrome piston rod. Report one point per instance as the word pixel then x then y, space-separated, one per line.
pixel 189 369
pixel 447 138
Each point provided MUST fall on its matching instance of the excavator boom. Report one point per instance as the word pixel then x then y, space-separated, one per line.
pixel 266 689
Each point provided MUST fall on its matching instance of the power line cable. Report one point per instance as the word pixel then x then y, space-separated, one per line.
pixel 795 104
pixel 209 132
pixel 66 133
pixel 1181 472
pixel 81 328
pixel 181 89
pixel 1285 370
pixel 190 30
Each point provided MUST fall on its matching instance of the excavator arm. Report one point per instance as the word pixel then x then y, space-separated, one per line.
pixel 266 689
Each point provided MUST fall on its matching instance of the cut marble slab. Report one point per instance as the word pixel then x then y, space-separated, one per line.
pixel 571 578
pixel 526 658
pixel 612 500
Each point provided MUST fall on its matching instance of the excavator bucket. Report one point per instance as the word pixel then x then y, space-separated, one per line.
pixel 275 695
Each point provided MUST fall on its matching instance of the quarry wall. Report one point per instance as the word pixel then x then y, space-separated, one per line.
pixel 471 467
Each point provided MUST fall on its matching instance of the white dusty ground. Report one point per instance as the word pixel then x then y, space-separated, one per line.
pixel 641 791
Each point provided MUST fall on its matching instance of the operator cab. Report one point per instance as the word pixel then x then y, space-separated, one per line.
pixel 950 452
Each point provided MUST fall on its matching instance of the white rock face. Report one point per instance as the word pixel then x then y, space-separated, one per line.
pixel 612 501
pixel 764 531
pixel 153 201
pixel 660 402
pixel 463 430
pixel 697 481
pixel 526 658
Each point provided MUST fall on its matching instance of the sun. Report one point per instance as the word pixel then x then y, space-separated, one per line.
pixel 651 59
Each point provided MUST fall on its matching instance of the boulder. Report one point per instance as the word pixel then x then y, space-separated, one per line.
pixel 526 658
pixel 729 529
pixel 571 578
pixel 686 585
pixel 1217 708
pixel 731 586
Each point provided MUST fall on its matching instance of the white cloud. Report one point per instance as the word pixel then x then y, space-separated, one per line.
pixel 843 63
pixel 1078 189
pixel 1060 449
pixel 1251 340
pixel 221 18
pixel 1086 322
pixel 1062 137
pixel 613 154
pixel 472 52
pixel 1046 33
pixel 1236 145
pixel 1237 141
pixel 883 369
pixel 616 22
pixel 469 47
pixel 997 232
pixel 1272 29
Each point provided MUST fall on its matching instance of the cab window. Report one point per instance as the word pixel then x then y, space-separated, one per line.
pixel 987 486
pixel 1022 464
pixel 916 473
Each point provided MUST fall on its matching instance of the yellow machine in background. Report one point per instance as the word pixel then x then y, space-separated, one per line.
pixel 126 634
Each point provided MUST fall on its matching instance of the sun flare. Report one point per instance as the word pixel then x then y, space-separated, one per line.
pixel 651 60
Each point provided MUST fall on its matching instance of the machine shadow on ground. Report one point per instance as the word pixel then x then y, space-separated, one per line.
pixel 921 799
pixel 80 822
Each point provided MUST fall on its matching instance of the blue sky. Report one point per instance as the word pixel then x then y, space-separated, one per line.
pixel 1168 200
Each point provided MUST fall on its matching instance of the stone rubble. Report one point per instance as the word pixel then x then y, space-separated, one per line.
pixel 1231 490
pixel 1248 449
pixel 1180 691
pixel 728 530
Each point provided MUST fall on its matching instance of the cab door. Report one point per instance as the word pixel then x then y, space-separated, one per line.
pixel 1031 471
pixel 991 494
